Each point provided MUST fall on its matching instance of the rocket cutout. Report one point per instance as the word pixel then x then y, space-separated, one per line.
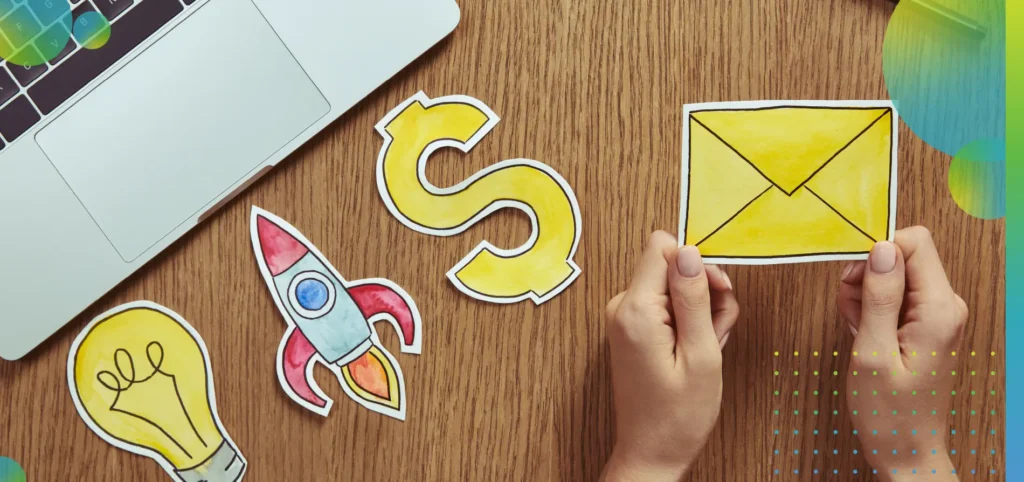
pixel 331 321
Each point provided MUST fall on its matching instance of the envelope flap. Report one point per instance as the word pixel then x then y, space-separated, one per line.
pixel 789 144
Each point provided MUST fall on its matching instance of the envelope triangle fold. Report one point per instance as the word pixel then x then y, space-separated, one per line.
pixel 777 225
pixel 721 183
pixel 788 144
pixel 856 182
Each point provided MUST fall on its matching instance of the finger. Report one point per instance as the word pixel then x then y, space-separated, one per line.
pixel 717 278
pixel 882 297
pixel 925 273
pixel 691 298
pixel 850 294
pixel 849 300
pixel 651 274
pixel 724 312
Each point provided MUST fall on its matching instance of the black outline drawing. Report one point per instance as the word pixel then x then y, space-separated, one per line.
pixel 689 158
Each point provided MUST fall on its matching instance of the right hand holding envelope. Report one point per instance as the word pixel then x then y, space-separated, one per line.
pixel 907 322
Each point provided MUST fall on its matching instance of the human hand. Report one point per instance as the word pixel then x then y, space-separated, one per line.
pixel 907 322
pixel 666 333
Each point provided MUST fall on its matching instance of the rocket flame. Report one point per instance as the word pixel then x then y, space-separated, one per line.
pixel 373 378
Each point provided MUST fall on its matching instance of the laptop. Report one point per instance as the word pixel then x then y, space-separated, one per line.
pixel 122 142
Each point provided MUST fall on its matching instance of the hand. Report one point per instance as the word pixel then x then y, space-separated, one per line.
pixel 907 321
pixel 666 334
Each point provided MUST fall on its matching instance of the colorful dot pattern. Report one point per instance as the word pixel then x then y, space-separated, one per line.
pixel 811 410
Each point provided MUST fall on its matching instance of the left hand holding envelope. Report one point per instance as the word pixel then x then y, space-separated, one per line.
pixel 666 333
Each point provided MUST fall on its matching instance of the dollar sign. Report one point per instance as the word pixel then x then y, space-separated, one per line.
pixel 538 270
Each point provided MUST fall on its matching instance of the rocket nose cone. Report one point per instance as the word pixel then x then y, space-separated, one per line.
pixel 280 249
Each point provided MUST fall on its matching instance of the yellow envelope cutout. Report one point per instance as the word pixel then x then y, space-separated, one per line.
pixel 782 182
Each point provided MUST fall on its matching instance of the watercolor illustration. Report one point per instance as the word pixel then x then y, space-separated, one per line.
pixel 140 378
pixel 538 270
pixel 771 182
pixel 331 322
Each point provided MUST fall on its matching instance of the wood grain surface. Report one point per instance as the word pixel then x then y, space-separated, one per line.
pixel 522 392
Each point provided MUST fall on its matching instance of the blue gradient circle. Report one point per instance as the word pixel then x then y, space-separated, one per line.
pixel 944 63
pixel 10 471
pixel 312 294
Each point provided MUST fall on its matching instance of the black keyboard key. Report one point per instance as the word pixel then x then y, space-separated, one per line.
pixel 17 117
pixel 53 41
pixel 2 145
pixel 20 27
pixel 112 8
pixel 85 65
pixel 68 48
pixel 8 88
pixel 26 75
pixel 48 11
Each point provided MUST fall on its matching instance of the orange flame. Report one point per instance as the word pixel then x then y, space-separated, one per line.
pixel 373 378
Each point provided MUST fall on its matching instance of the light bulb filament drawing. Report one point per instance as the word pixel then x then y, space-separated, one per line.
pixel 125 365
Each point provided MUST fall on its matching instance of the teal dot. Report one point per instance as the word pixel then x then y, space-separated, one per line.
pixel 91 30
pixel 10 471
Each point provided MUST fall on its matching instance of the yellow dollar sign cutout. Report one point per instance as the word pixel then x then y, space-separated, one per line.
pixel 538 270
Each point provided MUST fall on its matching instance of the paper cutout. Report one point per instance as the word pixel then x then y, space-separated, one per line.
pixel 538 270
pixel 770 182
pixel 140 378
pixel 331 322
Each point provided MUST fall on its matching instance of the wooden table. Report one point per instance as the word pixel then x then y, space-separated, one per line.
pixel 521 392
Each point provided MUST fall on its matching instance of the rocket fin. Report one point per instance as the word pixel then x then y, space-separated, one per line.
pixel 294 364
pixel 375 299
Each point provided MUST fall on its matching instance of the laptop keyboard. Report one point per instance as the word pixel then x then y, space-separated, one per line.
pixel 29 94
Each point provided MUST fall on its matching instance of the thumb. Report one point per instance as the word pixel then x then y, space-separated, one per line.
pixel 691 299
pixel 882 297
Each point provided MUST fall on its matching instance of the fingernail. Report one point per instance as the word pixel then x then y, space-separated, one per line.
pixel 689 263
pixel 883 257
pixel 728 282
pixel 847 271
pixel 725 339
pixel 852 330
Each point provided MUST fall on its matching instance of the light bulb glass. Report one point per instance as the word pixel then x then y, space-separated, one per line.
pixel 141 378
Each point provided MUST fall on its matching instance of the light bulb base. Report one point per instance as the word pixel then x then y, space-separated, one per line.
pixel 225 465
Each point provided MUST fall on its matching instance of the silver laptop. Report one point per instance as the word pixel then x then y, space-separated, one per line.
pixel 110 153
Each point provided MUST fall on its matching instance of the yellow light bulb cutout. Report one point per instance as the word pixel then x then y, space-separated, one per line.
pixel 141 379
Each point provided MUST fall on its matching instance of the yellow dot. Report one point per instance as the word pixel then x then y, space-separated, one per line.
pixel 933 353
pixel 993 373
pixel 855 373
pixel 972 353
pixel 776 353
pixel 836 353
pixel 854 353
pixel 933 373
pixel 913 353
pixel 874 373
pixel 815 353
pixel 815 372
pixel 895 353
pixel 972 373
pixel 874 353
pixel 835 373
pixel 954 373
pixel 993 353
pixel 796 353
pixel 954 353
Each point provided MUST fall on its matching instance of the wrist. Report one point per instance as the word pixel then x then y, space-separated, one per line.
pixel 623 468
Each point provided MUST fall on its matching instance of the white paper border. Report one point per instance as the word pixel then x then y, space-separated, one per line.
pixel 684 180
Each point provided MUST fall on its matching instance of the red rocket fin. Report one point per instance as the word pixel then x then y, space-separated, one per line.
pixel 293 362
pixel 376 299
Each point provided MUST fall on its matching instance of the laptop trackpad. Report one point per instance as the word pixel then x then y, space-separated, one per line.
pixel 172 130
